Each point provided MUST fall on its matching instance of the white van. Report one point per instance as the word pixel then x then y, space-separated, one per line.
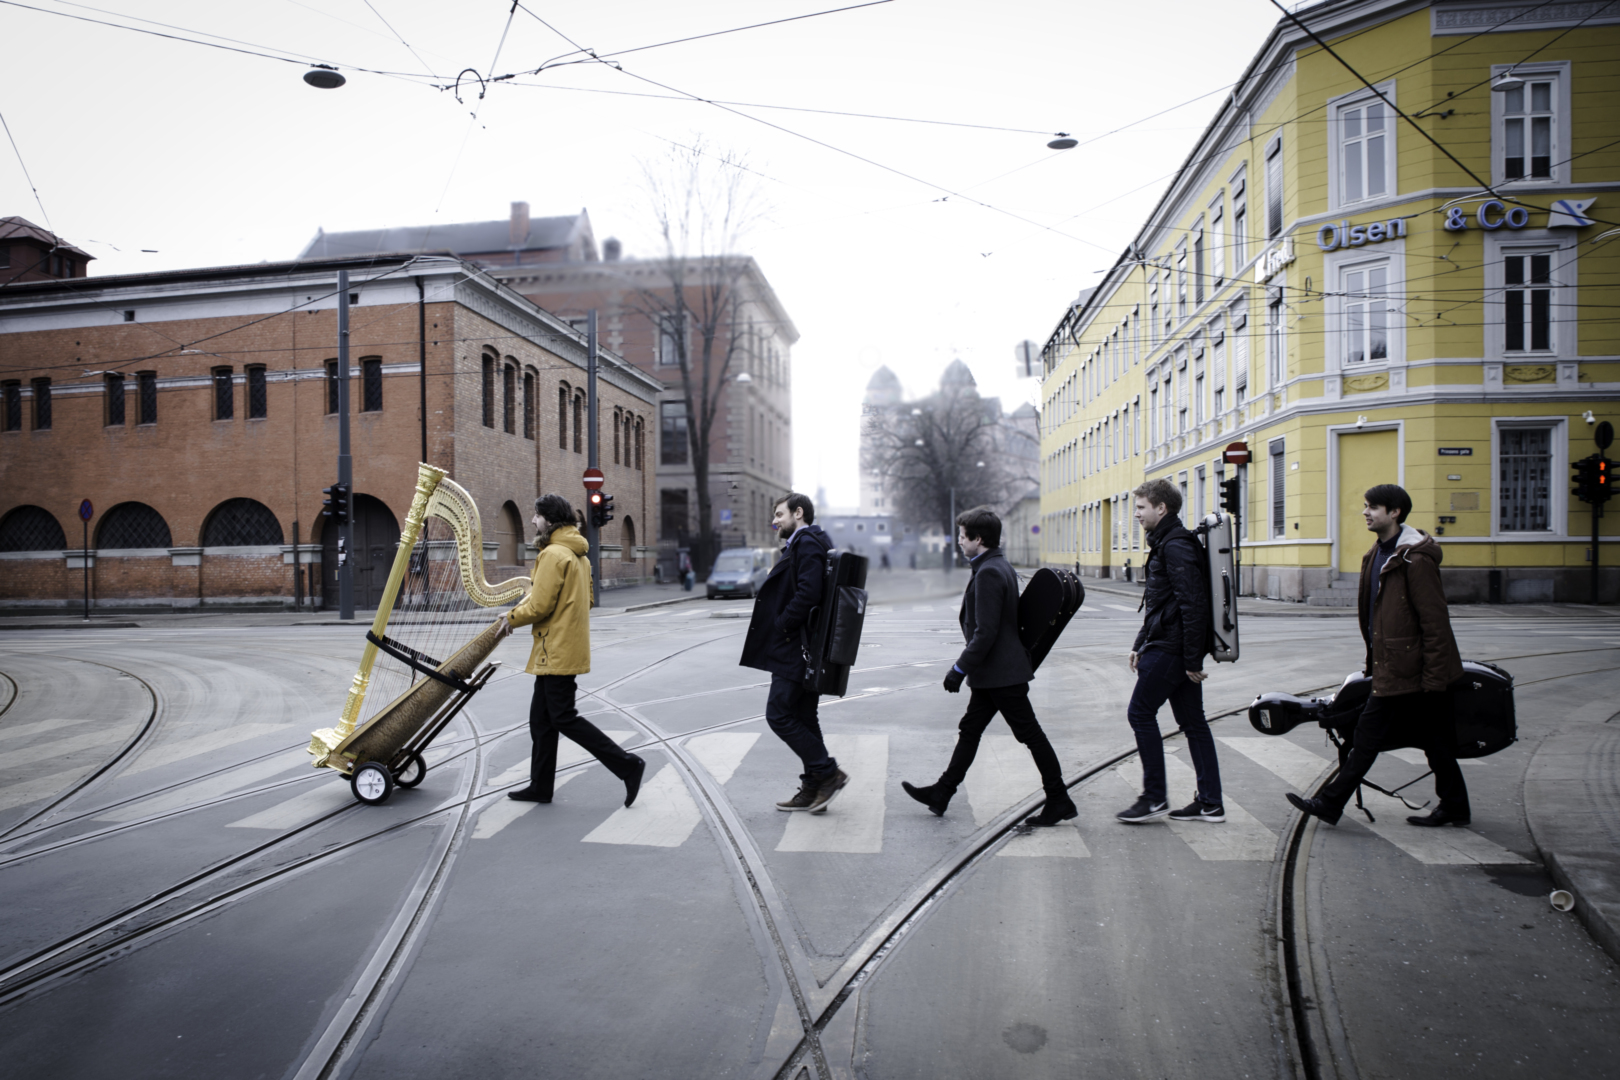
pixel 740 572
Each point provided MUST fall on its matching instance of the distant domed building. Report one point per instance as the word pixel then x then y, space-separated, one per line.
pixel 956 375
pixel 882 400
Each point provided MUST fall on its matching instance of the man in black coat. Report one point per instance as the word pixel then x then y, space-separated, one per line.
pixel 775 644
pixel 1168 658
pixel 997 669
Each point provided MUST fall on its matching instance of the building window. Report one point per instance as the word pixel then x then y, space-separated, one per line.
pixel 31 528
pixel 241 523
pixel 488 386
pixel 528 405
pixel 1240 221
pixel 115 401
pixel 133 525
pixel 669 353
pixel 334 388
pixel 579 422
pixel 509 399
pixel 563 397
pixel 1527 302
pixel 618 419
pixel 1274 188
pixel 674 519
pixel 673 449
pixel 1364 158
pixel 1181 280
pixel 1276 357
pixel 1153 309
pixel 42 404
pixel 1528 131
pixel 146 397
pixel 1198 390
pixel 1198 264
pixel 1366 312
pixel 224 394
pixel 258 397
pixel 1279 481
pixel 1217 239
pixel 11 407
pixel 1524 479
pixel 639 443
pixel 371 384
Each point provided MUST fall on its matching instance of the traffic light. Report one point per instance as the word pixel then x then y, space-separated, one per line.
pixel 1586 478
pixel 336 503
pixel 601 508
pixel 1231 499
pixel 1602 485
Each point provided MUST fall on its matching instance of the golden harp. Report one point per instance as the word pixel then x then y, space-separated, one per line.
pixel 429 602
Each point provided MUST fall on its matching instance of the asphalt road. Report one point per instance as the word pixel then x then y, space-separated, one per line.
pixel 186 897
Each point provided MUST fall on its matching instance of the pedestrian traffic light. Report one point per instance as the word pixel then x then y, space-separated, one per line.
pixel 601 508
pixel 1231 498
pixel 1585 477
pixel 336 503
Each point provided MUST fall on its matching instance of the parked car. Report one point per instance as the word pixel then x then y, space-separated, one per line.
pixel 740 571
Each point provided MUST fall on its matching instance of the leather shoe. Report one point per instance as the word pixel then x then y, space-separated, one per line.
pixel 1437 818
pixel 1315 808
pixel 933 796
pixel 528 794
pixel 1053 813
pixel 632 783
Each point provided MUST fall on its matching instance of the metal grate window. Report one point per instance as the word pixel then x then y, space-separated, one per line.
pixel 11 407
pixel 224 395
pixel 31 528
pixel 371 382
pixel 333 388
pixel 258 393
pixel 489 390
pixel 133 525
pixel 509 399
pixel 528 404
pixel 42 404
pixel 146 397
pixel 1524 479
pixel 115 401
pixel 579 423
pixel 562 416
pixel 1279 486
pixel 240 523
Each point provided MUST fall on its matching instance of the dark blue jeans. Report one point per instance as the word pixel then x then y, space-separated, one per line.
pixel 791 711
pixel 1161 676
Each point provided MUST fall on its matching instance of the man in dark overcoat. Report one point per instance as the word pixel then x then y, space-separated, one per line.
pixel 996 667
pixel 775 643
pixel 1412 658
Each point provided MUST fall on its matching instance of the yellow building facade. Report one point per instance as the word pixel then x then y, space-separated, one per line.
pixel 1393 256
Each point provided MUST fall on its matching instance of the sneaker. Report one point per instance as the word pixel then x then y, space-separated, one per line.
pixel 1199 810
pixel 825 791
pixel 800 801
pixel 1142 810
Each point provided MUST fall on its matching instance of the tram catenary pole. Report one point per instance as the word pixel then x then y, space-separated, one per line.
pixel 592 533
pixel 345 462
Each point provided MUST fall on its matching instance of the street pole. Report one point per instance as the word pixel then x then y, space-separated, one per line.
pixel 1597 512
pixel 86 553
pixel 592 536
pixel 950 539
pixel 345 462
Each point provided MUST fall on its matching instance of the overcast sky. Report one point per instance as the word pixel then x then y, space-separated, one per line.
pixel 214 157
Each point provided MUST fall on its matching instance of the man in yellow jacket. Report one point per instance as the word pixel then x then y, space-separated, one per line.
pixel 559 608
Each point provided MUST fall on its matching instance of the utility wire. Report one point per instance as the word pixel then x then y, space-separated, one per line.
pixel 401 37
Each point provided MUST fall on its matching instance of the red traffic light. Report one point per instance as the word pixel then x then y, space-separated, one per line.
pixel 596 497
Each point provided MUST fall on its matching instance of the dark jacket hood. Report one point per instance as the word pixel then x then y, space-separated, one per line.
pixel 811 534
pixel 1414 543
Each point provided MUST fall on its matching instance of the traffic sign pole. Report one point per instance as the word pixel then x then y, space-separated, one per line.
pixel 86 511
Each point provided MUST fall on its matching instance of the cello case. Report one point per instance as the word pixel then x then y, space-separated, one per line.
pixel 834 636
pixel 1221 560
pixel 1046 605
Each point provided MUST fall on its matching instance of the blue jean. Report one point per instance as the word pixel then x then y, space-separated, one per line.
pixel 790 709
pixel 1161 676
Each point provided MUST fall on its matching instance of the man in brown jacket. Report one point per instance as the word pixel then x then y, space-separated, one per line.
pixel 1412 658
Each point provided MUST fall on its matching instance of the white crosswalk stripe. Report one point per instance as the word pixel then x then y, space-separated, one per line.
pixel 192 746
pixel 301 809
pixel 1417 757
pixel 1003 774
pixel 214 787
pixel 39 787
pixel 664 815
pixel 502 812
pixel 56 748
pixel 1240 837
pixel 1448 845
pixel 1300 767
pixel 39 727
pixel 854 822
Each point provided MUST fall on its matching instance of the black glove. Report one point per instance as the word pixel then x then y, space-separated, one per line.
pixel 953 680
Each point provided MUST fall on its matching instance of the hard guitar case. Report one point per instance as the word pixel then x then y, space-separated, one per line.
pixel 833 637
pixel 1216 534
pixel 1046 605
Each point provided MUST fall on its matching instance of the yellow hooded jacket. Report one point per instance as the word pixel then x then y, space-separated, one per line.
pixel 559 606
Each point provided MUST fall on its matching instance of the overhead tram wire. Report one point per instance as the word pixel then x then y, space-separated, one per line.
pixel 401 38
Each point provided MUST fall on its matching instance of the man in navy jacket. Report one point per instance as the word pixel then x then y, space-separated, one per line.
pixel 996 666
pixel 775 644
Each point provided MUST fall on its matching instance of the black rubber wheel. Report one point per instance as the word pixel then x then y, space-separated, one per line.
pixel 372 783
pixel 412 772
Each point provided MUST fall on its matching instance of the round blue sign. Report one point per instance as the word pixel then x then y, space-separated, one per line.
pixel 86 511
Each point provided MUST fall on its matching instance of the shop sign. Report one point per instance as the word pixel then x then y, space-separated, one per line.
pixel 1570 214
pixel 1491 215
pixel 1331 237
pixel 1274 260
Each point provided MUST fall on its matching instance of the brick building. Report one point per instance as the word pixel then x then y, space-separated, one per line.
pixel 554 262
pixel 197 411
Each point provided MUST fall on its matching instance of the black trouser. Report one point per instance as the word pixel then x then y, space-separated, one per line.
pixel 1422 720
pixel 1012 702
pixel 790 709
pixel 551 710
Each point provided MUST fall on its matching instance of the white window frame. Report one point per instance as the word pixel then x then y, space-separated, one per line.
pixel 1359 99
pixel 1215 245
pixel 1564 247
pixel 1558 486
pixel 1274 341
pixel 1276 182
pixel 1239 184
pixel 1337 265
pixel 1559 72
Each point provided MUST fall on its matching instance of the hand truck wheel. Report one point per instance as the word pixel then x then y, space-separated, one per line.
pixel 412 771
pixel 372 783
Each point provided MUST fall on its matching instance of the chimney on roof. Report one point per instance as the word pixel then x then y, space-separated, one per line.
pixel 611 249
pixel 520 224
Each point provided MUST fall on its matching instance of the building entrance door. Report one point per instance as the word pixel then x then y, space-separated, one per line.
pixel 1366 458
pixel 376 534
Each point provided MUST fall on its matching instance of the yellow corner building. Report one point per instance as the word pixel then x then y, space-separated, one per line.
pixel 1393 256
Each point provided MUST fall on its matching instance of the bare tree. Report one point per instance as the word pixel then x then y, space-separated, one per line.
pixel 702 205
pixel 941 450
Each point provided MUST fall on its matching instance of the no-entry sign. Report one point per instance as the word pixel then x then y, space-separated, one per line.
pixel 593 479
pixel 1236 454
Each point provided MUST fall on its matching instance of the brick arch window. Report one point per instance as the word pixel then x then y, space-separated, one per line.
pixel 627 539
pixel 133 525
pixel 640 443
pixel 579 423
pixel 371 384
pixel 31 528
pixel 618 422
pixel 564 395
pixel 509 397
pixel 528 402
pixel 489 389
pixel 241 523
